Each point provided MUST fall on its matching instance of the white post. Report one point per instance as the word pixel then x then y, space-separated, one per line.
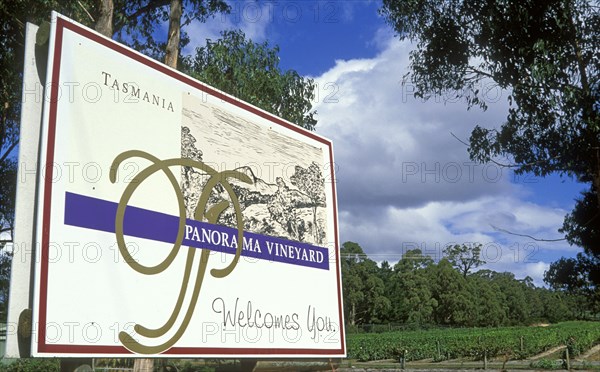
pixel 23 249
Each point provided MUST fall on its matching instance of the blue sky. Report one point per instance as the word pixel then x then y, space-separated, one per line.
pixel 404 180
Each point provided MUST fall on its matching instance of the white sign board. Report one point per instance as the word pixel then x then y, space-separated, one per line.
pixel 174 219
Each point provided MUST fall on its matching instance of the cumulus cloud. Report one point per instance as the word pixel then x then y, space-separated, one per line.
pixel 399 146
pixel 404 179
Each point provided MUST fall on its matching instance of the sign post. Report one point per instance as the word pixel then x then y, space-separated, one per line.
pixel 174 220
pixel 18 335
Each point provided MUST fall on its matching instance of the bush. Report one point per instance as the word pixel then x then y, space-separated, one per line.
pixel 32 365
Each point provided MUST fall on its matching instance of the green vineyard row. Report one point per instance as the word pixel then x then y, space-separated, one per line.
pixel 443 344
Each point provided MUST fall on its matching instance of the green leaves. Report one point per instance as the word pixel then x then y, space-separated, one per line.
pixel 464 257
pixel 363 289
pixel 136 22
pixel 250 71
pixel 543 51
pixel 419 292
pixel 546 54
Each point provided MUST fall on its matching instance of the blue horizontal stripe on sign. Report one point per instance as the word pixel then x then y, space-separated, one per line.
pixel 98 214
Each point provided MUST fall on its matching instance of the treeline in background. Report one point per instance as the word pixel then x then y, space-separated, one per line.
pixel 418 292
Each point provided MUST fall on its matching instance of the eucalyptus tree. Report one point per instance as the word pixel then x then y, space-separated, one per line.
pixel 544 54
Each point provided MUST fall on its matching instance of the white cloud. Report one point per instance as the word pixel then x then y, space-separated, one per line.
pixel 388 141
pixel 404 181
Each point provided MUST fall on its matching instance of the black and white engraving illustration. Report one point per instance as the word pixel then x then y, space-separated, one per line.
pixel 287 196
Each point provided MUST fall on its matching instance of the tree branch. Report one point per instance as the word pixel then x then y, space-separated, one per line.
pixel 479 72
pixel 557 86
pixel 5 155
pixel 507 165
pixel 148 7
pixel 86 11
pixel 525 235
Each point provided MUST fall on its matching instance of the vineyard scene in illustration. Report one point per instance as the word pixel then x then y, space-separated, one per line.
pixel 289 204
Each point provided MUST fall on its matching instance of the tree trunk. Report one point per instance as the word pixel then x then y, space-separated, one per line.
pixel 172 51
pixel 143 365
pixel 104 25
pixel 596 183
